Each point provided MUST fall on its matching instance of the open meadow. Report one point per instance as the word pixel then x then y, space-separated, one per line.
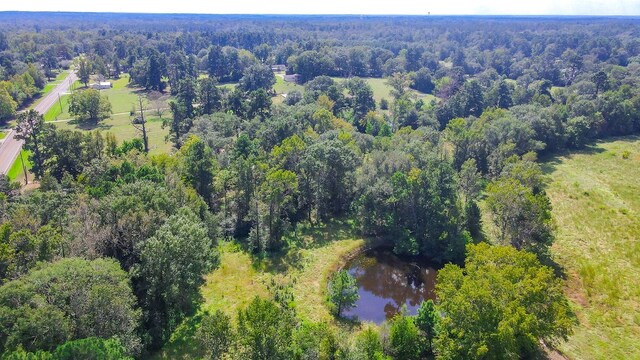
pixel 596 205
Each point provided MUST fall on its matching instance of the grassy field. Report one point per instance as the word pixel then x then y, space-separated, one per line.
pixel 284 87
pixel 239 278
pixel 59 110
pixel 120 126
pixel 123 99
pixel 16 173
pixel 596 203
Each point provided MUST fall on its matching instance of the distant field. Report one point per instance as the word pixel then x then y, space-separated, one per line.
pixel 123 99
pixel 283 87
pixel 379 86
pixel 230 86
pixel 381 90
pixel 596 203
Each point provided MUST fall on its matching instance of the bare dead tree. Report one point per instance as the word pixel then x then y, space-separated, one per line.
pixel 158 102
pixel 139 123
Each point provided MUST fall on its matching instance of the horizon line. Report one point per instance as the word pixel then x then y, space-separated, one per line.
pixel 320 14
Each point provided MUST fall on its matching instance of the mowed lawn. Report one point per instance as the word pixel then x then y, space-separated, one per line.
pixel 284 87
pixel 595 195
pixel 123 99
pixel 16 172
pixel 240 278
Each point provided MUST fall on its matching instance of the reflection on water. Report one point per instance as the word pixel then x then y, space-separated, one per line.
pixel 386 282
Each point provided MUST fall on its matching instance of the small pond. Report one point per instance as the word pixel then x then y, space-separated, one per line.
pixel 386 282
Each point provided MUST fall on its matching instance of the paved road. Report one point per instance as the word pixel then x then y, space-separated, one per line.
pixel 11 146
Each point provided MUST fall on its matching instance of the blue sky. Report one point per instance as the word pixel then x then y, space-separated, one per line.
pixel 416 7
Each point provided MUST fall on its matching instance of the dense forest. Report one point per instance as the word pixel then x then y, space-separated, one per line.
pixel 106 257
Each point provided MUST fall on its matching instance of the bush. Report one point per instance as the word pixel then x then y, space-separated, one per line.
pixel 384 104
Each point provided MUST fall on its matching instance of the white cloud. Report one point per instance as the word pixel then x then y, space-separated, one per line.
pixel 435 7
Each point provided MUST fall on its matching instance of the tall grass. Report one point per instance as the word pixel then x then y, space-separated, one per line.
pixel 595 195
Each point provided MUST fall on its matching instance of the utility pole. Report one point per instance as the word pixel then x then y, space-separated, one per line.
pixel 145 139
pixel 24 168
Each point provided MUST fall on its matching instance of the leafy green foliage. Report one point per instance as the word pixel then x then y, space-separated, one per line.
pixel 416 209
pixel 8 106
pixel 520 208
pixel 67 300
pixel 84 70
pixel 31 128
pixel 264 331
pixel 426 320
pixel 342 292
pixel 170 272
pixel 21 249
pixel 263 171
pixel 257 77
pixel 198 166
pixel 89 105
pixel 209 96
pixel 404 338
pixel 368 345
pixel 215 334
pixel 499 305
pixel 315 341
pixel 89 349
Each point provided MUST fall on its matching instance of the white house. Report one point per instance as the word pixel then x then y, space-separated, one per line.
pixel 101 85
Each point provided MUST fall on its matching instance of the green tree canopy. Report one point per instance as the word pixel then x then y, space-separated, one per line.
pixel 8 106
pixel 404 338
pixel 499 305
pixel 67 300
pixel 86 349
pixel 89 105
pixel 31 128
pixel 343 291
pixel 520 208
pixel 257 77
pixel 170 272
pixel 215 334
pixel 265 330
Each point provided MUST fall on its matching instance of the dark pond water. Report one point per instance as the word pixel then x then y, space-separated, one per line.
pixel 386 282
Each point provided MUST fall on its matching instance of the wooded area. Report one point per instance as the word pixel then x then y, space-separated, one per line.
pixel 112 247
